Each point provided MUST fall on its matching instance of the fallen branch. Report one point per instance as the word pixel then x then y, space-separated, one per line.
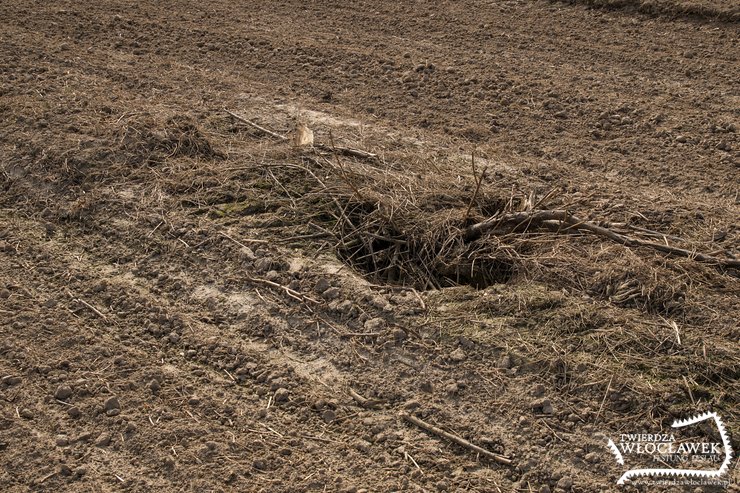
pixel 290 292
pixel 249 240
pixel 567 222
pixel 348 151
pixel 362 401
pixel 87 305
pixel 501 459
pixel 254 125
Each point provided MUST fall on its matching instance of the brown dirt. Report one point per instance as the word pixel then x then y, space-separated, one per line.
pixel 139 223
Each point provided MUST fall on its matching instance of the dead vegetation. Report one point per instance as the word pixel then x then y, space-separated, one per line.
pixel 435 228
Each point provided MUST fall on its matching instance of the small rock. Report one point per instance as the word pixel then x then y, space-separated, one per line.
pixel 62 441
pixel 84 437
pixel 26 413
pixel 154 386
pixel 103 440
pixel 331 294
pixel 230 477
pixel 328 415
pixel 724 146
pixel 452 388
pixel 63 392
pixel 363 446
pixel 682 139
pixel 565 483
pixel 504 362
pixel 112 412
pixel 194 400
pixel 458 355
pixel 399 335
pixel 263 264
pixel 322 285
pixel 375 324
pixel 345 307
pixel 543 406
pixel 74 412
pixel 411 405
pixel 4 294
pixel 442 485
pixel 11 380
pixel 426 386
pixel 111 403
pixel 538 390
pixel 282 395
pixel 174 337
pixel 593 457
pixel 544 489
pixel 259 465
pixel 65 470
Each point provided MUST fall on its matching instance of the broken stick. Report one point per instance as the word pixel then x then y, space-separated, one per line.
pixel 349 151
pixel 566 222
pixel 501 459
pixel 254 125
pixel 290 292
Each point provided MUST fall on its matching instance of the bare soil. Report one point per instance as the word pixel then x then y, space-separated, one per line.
pixel 179 312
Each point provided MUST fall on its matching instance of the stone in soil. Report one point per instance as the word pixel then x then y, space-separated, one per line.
pixel 331 294
pixel 154 386
pixel 328 415
pixel 282 395
pixel 111 403
pixel 543 406
pixel 458 355
pixel 322 285
pixel 375 324
pixel 63 392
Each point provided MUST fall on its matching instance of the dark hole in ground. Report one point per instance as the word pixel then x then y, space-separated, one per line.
pixel 385 261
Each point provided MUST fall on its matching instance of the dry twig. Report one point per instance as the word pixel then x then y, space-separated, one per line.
pixel 501 459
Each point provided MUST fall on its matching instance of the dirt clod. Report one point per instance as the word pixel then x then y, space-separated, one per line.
pixel 11 380
pixel 112 403
pixel 543 406
pixel 328 415
pixel 458 355
pixel 331 293
pixel 63 392
pixel 154 385
pixel 282 395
